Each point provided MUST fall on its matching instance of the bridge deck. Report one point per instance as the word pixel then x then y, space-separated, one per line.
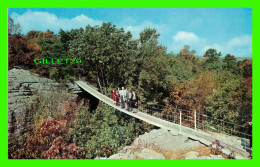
pixel 231 144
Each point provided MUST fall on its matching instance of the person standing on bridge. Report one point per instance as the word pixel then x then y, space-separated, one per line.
pixel 118 96
pixel 129 100
pixel 122 97
pixel 134 102
pixel 126 98
pixel 114 97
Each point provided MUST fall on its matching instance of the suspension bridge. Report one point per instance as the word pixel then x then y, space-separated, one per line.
pixel 230 144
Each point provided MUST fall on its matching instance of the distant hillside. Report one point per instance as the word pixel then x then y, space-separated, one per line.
pixel 222 57
pixel 243 58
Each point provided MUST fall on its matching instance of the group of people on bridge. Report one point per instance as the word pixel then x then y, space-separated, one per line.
pixel 125 98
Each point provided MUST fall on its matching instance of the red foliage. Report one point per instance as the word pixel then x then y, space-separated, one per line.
pixel 59 150
pixel 192 96
pixel 246 68
pixel 20 53
pixel 248 84
pixel 187 54
pixel 47 140
pixel 16 43
pixel 43 137
pixel 42 72
pixel 70 110
pixel 23 50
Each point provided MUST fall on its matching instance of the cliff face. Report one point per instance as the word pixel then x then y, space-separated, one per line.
pixel 162 144
pixel 22 84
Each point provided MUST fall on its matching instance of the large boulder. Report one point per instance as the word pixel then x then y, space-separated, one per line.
pixel 149 154
pixel 194 155
pixel 152 145
pixel 123 156
pixel 191 155
pixel 164 140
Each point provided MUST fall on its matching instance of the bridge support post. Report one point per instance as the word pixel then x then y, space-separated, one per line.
pixel 195 120
pixel 180 121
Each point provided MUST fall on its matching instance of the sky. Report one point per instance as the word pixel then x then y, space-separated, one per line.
pixel 228 30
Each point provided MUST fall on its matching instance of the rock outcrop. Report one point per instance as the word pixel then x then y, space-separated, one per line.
pixel 195 155
pixel 22 84
pixel 162 144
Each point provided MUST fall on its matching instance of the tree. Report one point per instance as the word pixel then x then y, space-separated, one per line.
pixel 20 53
pixel 16 43
pixel 199 89
pixel 187 54
pixel 148 75
pixel 65 38
pixel 180 70
pixel 246 68
pixel 34 35
pixel 13 28
pixel 106 52
pixel 152 80
pixel 230 63
pixel 213 59
pixel 52 48
pixel 192 94
pixel 231 100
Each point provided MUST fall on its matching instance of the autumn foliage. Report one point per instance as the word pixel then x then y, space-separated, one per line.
pixel 48 140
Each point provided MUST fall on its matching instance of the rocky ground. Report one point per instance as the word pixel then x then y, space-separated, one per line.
pixel 162 144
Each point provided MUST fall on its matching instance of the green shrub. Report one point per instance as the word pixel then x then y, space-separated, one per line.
pixel 106 131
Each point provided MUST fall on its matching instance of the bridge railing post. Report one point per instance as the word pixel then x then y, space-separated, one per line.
pixel 174 115
pixel 180 120
pixel 195 120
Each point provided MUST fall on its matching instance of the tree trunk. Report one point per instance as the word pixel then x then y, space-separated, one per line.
pixel 100 87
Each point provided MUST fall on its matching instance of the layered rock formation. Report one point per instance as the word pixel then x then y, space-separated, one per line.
pixel 22 84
